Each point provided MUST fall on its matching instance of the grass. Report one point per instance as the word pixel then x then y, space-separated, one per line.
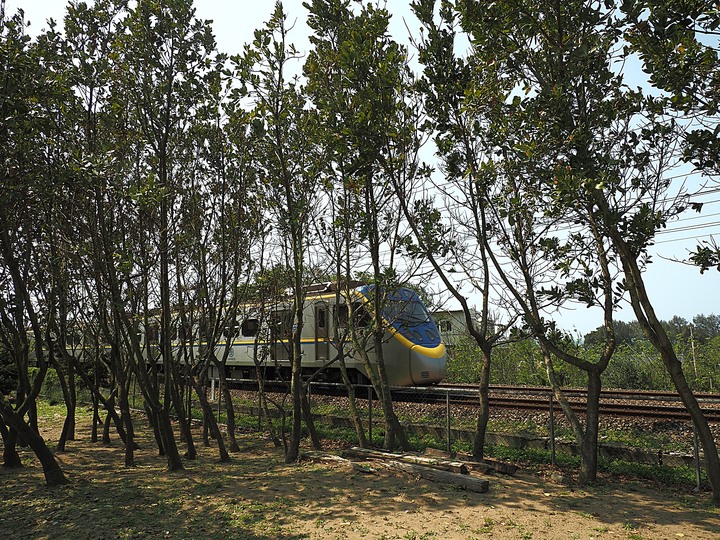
pixel 255 497
pixel 683 476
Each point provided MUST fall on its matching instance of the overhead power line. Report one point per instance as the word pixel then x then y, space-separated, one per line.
pixel 686 238
pixel 689 227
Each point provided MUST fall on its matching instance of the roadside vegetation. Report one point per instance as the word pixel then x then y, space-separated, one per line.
pixel 635 365
pixel 157 194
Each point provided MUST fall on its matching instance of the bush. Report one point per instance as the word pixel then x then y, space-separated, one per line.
pixel 8 375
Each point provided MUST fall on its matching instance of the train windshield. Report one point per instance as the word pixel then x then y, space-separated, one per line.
pixel 404 309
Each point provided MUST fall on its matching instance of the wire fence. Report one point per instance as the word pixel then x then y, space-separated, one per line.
pixel 431 416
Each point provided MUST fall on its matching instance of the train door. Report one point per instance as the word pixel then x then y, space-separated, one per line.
pixel 280 334
pixel 322 333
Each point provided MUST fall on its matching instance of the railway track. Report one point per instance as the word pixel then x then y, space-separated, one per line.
pixel 628 403
pixel 657 405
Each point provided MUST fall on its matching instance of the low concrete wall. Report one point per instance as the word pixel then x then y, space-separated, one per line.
pixel 609 451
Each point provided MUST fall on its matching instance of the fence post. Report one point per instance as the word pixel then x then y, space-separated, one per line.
pixel 552 432
pixel 219 400
pixel 189 396
pixel 259 411
pixel 696 453
pixel 370 390
pixel 447 421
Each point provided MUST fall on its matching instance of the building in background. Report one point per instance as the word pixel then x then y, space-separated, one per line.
pixel 452 325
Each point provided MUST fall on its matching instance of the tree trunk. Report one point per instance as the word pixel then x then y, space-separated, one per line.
pixel 11 458
pixel 354 413
pixel 265 410
pixel 233 445
pixel 209 419
pixel 307 417
pixel 484 411
pixel 123 404
pixel 461 481
pixel 68 429
pixel 589 444
pixel 393 428
pixel 656 334
pixel 293 451
pixel 172 453
pixel 54 475
pixel 179 406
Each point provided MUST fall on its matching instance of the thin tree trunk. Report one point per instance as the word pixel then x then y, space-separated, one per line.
pixel 54 475
pixel 11 458
pixel 179 406
pixel 229 409
pixel 656 334
pixel 484 411
pixel 307 417
pixel 352 403
pixel 209 419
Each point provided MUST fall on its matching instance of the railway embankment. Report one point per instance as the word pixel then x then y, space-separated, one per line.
pixel 611 451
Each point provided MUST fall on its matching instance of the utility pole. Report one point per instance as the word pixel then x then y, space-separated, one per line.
pixel 692 348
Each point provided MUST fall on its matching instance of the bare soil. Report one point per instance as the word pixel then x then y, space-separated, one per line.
pixel 258 496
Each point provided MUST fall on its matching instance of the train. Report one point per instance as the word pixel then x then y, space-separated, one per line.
pixel 412 348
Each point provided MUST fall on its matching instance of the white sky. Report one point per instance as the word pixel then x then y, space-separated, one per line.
pixel 675 289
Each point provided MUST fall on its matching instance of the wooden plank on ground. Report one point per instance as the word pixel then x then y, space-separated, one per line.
pixel 323 457
pixel 462 481
pixel 487 465
pixel 435 463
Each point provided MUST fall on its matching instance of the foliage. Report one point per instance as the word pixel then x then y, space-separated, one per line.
pixel 677 43
pixel 142 170
pixel 8 375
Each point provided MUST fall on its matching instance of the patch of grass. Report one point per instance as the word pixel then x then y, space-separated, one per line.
pixel 412 535
pixel 531 455
pixel 680 476
pixel 487 526
pixel 247 420
pixel 518 427
pixel 635 438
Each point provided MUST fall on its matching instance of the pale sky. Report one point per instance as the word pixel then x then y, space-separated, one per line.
pixel 675 289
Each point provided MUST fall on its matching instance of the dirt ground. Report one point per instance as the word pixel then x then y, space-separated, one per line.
pixel 258 496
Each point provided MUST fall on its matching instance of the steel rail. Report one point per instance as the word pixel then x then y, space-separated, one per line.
pixel 644 404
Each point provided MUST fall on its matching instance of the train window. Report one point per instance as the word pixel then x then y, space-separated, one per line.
pixel 281 323
pixel 406 312
pixel 250 327
pixel 153 333
pixel 74 339
pixel 341 312
pixel 321 318
pixel 231 330
pixel 184 332
pixel 202 330
pixel 361 316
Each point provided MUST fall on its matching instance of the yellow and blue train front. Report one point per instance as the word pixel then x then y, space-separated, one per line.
pixel 414 335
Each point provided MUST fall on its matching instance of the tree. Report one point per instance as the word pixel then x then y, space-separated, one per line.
pixel 624 333
pixel 357 80
pixel 31 98
pixel 287 165
pixel 706 327
pixel 678 45
pixel 456 246
pixel 586 149
pixel 163 58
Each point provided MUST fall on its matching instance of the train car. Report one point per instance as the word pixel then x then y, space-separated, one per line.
pixel 413 351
